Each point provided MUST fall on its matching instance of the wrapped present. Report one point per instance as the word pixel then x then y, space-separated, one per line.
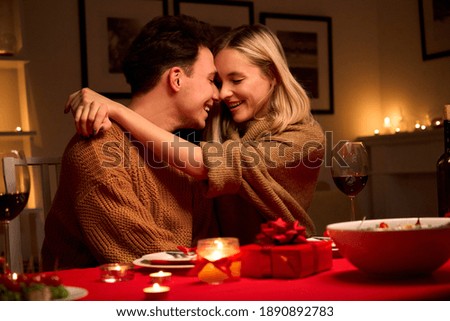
pixel 283 251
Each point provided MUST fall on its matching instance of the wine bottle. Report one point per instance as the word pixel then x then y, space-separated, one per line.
pixel 443 169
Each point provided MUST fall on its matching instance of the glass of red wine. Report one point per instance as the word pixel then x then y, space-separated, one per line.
pixel 14 191
pixel 350 169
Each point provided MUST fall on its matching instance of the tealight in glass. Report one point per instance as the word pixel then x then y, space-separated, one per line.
pixel 116 272
pixel 218 260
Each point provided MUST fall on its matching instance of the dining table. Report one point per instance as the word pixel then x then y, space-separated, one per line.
pixel 343 282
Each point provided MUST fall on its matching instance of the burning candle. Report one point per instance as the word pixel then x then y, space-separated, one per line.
pixel 161 277
pixel 218 260
pixel 156 292
pixel 116 272
pixel 387 125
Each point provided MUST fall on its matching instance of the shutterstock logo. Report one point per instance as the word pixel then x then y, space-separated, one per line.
pixel 270 153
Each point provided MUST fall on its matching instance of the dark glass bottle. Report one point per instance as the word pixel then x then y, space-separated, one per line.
pixel 443 169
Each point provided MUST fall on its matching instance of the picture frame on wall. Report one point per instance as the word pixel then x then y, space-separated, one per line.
pixel 434 28
pixel 107 28
pixel 223 15
pixel 307 42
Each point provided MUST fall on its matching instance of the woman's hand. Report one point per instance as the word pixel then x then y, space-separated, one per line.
pixel 90 111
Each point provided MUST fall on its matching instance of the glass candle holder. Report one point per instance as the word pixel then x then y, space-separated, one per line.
pixel 218 260
pixel 116 272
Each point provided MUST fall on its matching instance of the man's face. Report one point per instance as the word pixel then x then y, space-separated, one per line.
pixel 198 91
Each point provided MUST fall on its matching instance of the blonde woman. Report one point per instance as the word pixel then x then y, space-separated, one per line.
pixel 263 149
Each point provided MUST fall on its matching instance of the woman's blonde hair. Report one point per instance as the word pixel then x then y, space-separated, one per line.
pixel 289 103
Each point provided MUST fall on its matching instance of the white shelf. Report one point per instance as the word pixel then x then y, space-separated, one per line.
pixel 14 133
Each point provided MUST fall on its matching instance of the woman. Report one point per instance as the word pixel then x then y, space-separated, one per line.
pixel 263 148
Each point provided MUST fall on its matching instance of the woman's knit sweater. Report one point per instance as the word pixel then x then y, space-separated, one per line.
pixel 255 179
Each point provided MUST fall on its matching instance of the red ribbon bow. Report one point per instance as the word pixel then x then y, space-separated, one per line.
pixel 223 264
pixel 280 232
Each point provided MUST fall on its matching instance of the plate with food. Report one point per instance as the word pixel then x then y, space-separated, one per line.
pixel 73 293
pixel 37 287
pixel 167 259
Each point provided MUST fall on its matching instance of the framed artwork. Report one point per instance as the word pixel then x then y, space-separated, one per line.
pixel 307 43
pixel 434 28
pixel 107 28
pixel 221 14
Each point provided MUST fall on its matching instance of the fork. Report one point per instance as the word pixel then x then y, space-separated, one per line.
pixel 177 255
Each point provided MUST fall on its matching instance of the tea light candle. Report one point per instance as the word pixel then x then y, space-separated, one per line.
pixel 116 272
pixel 161 277
pixel 156 292
pixel 376 132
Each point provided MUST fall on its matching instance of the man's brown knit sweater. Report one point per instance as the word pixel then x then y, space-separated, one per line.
pixel 111 206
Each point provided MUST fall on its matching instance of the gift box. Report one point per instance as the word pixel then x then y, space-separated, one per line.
pixel 285 261
pixel 282 251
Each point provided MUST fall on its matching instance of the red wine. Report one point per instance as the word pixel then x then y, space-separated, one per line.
pixel 11 205
pixel 350 185
pixel 443 169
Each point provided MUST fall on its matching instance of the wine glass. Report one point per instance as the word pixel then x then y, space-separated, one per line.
pixel 349 169
pixel 14 192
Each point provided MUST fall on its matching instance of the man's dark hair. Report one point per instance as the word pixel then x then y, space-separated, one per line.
pixel 163 43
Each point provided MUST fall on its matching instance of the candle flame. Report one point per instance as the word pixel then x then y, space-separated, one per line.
pixel 219 244
pixel 156 286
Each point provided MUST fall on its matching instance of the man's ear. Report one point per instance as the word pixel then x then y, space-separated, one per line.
pixel 175 75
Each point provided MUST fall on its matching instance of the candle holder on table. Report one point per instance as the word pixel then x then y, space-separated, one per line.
pixel 218 260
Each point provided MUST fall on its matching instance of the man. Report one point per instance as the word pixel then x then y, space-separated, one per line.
pixel 114 203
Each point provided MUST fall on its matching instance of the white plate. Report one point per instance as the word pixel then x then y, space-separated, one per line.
pixel 139 262
pixel 144 261
pixel 323 238
pixel 164 256
pixel 75 293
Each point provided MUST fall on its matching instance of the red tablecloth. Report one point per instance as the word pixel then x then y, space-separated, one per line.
pixel 343 282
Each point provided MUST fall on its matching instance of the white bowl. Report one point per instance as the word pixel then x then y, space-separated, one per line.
pixel 396 251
